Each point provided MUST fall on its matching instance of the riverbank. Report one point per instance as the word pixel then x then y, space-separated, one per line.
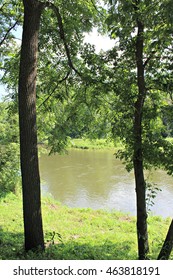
pixel 76 233
pixel 84 144
pixel 95 144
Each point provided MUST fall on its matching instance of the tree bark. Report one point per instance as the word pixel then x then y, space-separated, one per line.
pixel 33 229
pixel 168 244
pixel 142 233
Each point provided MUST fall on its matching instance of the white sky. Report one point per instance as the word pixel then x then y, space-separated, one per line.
pixel 101 42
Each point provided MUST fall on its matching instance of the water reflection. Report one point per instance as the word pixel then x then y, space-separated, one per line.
pixel 96 179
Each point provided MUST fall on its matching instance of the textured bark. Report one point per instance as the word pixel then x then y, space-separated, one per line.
pixel 33 229
pixel 168 244
pixel 142 233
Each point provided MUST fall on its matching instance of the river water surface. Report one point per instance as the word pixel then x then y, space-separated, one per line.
pixel 96 179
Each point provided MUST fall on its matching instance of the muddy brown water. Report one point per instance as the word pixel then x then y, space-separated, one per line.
pixel 96 179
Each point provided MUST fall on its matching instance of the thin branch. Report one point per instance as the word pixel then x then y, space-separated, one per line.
pixel 147 60
pixel 155 57
pixel 62 34
pixel 1 8
pixel 8 31
pixel 58 82
pixel 95 7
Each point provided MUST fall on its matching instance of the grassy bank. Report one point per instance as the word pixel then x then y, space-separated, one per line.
pixel 84 144
pixel 91 144
pixel 76 233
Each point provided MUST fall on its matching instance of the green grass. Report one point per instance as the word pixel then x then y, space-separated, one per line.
pixel 91 144
pixel 76 233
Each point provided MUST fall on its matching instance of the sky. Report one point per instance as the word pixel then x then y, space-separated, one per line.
pixel 101 43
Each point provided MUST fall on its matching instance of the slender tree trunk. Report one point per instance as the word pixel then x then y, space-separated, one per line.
pixel 33 229
pixel 168 244
pixel 142 233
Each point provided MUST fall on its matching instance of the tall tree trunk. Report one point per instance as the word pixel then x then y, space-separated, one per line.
pixel 142 233
pixel 33 229
pixel 168 244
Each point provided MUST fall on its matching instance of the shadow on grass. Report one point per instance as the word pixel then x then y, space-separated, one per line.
pixel 3 194
pixel 11 248
pixel 11 245
pixel 77 251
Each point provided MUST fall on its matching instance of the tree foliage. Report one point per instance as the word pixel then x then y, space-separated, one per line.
pixel 9 151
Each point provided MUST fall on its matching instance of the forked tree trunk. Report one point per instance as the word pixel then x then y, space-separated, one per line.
pixel 33 229
pixel 142 233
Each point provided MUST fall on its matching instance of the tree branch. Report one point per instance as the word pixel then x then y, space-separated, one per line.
pixel 155 57
pixel 1 8
pixel 96 8
pixel 62 34
pixel 58 82
pixel 147 60
pixel 8 31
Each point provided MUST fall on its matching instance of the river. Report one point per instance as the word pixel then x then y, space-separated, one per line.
pixel 96 179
